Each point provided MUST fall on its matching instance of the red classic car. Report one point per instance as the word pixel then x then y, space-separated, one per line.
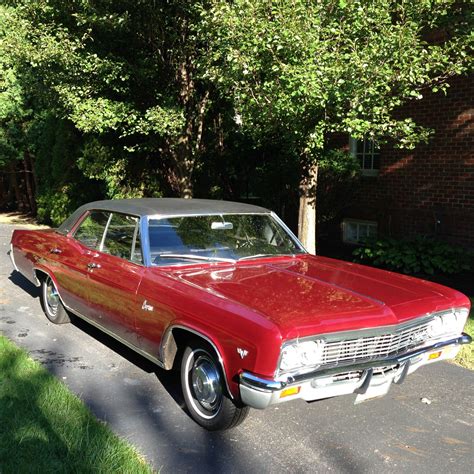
pixel 227 293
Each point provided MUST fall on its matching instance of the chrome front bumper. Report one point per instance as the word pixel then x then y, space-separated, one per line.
pixel 260 393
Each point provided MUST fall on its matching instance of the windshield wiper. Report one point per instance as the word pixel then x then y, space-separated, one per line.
pixel 261 255
pixel 186 256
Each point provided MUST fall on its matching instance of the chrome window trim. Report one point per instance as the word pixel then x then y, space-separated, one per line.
pixel 291 234
pixel 132 248
pixel 80 221
pixel 106 228
pixel 145 241
pixel 76 225
pixel 146 245
pixel 134 241
pixel 104 235
pixel 207 214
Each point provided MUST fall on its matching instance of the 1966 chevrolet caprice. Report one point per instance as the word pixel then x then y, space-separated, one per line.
pixel 227 293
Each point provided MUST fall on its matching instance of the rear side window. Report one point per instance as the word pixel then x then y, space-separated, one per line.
pixel 122 238
pixel 91 229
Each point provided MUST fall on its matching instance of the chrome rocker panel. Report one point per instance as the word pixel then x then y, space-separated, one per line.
pixel 260 393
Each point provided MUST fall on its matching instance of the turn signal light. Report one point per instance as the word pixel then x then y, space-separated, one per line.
pixel 290 391
pixel 434 355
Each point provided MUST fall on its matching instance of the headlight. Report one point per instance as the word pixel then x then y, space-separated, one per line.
pixel 448 323
pixel 296 355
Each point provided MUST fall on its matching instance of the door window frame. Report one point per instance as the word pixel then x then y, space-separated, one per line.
pixel 138 228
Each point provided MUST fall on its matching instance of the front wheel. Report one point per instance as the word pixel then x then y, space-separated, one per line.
pixel 204 390
pixel 52 306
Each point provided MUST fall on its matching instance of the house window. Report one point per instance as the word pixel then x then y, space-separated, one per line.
pixel 367 154
pixel 355 231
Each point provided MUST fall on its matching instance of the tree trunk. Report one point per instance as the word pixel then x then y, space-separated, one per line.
pixel 184 164
pixel 15 186
pixel 185 180
pixel 3 192
pixel 31 161
pixel 307 209
pixel 29 183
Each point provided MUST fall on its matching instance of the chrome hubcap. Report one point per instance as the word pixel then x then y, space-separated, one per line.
pixel 52 297
pixel 206 383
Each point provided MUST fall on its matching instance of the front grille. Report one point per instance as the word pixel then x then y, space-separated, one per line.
pixel 374 347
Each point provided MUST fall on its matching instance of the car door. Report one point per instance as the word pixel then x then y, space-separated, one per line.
pixel 72 256
pixel 114 273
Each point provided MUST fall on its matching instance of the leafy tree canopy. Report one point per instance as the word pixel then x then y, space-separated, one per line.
pixel 304 69
pixel 149 93
pixel 310 68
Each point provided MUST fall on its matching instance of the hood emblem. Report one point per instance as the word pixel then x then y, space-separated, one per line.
pixel 242 352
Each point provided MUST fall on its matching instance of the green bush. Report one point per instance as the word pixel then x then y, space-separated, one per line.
pixel 413 256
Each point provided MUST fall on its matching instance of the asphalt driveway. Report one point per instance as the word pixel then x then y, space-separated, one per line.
pixel 398 433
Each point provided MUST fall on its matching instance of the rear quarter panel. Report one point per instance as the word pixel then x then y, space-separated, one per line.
pixel 31 249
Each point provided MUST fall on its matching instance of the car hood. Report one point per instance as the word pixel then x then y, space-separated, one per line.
pixel 314 295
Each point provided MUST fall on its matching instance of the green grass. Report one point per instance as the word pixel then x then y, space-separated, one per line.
pixel 45 428
pixel 465 358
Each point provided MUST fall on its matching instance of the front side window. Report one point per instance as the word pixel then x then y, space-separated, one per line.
pixel 177 240
pixel 91 229
pixel 122 238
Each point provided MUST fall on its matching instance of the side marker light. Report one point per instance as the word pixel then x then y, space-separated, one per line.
pixel 290 391
pixel 435 355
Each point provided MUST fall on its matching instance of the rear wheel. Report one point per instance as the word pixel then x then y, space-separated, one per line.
pixel 52 306
pixel 205 392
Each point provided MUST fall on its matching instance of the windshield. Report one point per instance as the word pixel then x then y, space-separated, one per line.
pixel 224 237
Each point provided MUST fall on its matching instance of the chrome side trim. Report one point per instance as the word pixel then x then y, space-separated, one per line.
pixel 269 385
pixel 168 333
pixel 38 283
pixel 118 338
pixel 31 278
pixel 107 331
pixel 12 258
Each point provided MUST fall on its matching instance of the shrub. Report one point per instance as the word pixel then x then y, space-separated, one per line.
pixel 412 256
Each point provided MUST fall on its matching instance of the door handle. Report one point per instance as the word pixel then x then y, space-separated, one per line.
pixel 93 265
pixel 55 250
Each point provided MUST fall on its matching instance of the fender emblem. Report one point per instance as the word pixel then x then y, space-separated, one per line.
pixel 146 306
pixel 242 352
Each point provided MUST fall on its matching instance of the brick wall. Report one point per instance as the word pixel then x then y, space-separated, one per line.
pixel 429 190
